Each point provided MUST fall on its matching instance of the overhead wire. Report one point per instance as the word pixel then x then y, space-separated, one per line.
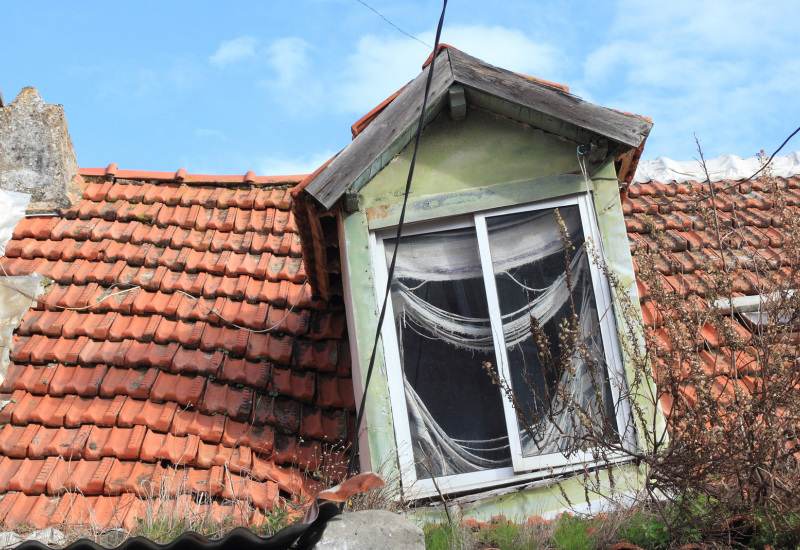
pixel 390 271
pixel 379 14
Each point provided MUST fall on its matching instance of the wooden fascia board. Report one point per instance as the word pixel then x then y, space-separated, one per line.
pixel 384 137
pixel 550 102
pixel 537 119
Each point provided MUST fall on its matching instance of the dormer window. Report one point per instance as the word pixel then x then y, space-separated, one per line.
pixel 480 254
pixel 463 295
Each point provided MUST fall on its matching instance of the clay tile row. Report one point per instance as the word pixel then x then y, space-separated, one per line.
pixel 187 195
pixel 66 366
pixel 125 221
pixel 27 415
pixel 39 349
pixel 98 513
pixel 191 333
pixel 98 480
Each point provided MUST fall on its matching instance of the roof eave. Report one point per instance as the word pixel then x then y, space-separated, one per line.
pixel 539 104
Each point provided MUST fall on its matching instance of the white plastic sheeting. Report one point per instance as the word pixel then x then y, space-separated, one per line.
pixel 728 167
pixel 12 210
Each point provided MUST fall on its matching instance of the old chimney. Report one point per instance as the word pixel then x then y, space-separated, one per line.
pixel 36 153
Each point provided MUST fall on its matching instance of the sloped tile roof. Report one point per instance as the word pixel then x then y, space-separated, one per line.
pixel 179 352
pixel 668 221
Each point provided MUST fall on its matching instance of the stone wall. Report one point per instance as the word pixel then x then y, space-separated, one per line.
pixel 36 153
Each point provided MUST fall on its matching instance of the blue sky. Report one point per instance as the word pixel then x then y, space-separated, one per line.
pixel 274 86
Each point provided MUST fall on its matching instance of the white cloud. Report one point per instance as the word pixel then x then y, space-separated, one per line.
pixel 721 68
pixel 294 81
pixel 209 134
pixel 234 50
pixel 281 166
pixel 288 57
pixel 381 66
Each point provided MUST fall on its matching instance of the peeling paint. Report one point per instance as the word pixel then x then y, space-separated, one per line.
pixel 476 164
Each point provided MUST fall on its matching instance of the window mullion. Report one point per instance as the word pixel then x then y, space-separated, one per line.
pixel 498 338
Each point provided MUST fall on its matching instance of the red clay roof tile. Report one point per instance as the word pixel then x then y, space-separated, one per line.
pixel 67 443
pixel 78 380
pixel 127 253
pixel 8 469
pixel 84 476
pixel 122 443
pixel 157 416
pixel 208 427
pixel 187 391
pixel 35 379
pixel 241 371
pixel 177 450
pixel 32 511
pixel 197 361
pixel 270 347
pixel 35 227
pixel 335 392
pixel 15 440
pixel 235 403
pixel 135 383
pixel 224 338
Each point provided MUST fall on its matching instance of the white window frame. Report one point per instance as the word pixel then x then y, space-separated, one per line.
pixel 522 468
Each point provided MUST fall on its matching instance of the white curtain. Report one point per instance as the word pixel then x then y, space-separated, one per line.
pixel 515 242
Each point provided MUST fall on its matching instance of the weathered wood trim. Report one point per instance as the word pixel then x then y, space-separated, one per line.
pixel 546 107
pixel 477 199
pixel 312 244
pixel 551 102
pixel 387 132
pixel 378 449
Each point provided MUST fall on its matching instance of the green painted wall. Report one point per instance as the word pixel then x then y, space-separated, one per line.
pixel 482 162
pixel 363 324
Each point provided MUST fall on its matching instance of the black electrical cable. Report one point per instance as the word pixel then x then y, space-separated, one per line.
pixel 360 417
pixel 772 156
pixel 379 14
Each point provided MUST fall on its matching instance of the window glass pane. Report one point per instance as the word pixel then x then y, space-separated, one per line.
pixel 530 266
pixel 444 335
